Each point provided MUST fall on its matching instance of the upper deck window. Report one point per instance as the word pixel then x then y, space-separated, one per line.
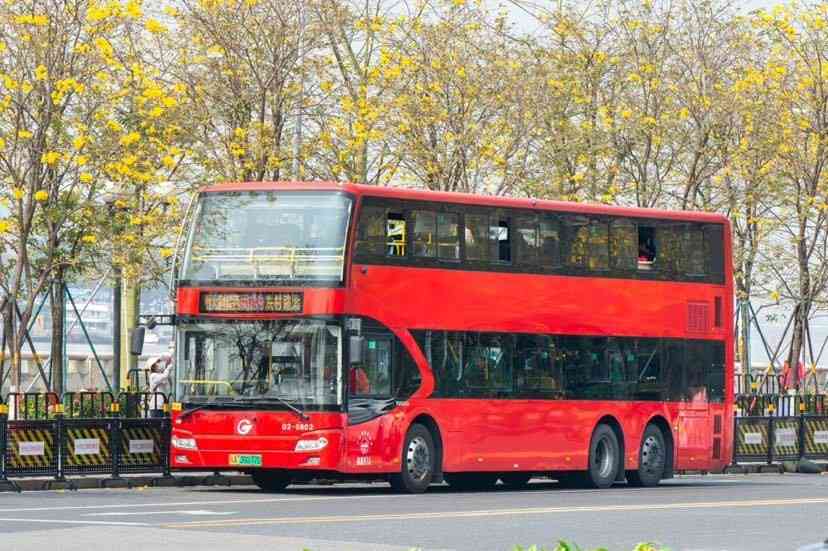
pixel 268 236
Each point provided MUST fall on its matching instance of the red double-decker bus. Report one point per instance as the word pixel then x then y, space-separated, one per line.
pixel 330 330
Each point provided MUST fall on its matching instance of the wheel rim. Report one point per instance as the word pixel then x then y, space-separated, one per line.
pixel 418 459
pixel 652 455
pixel 604 457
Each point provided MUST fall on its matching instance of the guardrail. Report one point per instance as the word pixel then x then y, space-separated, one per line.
pixel 83 433
pixel 774 439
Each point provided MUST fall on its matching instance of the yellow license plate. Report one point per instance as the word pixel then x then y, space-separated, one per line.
pixel 245 460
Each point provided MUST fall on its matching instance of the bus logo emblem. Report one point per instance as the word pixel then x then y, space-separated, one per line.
pixel 365 442
pixel 244 427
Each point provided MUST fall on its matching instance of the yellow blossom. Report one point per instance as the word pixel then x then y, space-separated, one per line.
pixel 50 158
pixel 24 134
pixel 130 138
pixel 155 27
pixel 4 226
pixel 167 252
pixel 41 72
pixel 79 142
pixel 89 239
pixel 168 161
pixel 85 177
pixel 18 193
pixel 81 160
pixel 41 196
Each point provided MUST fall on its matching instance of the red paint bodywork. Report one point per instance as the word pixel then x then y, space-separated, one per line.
pixel 482 435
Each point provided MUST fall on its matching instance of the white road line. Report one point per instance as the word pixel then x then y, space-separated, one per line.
pixel 194 513
pixel 198 503
pixel 61 521
pixel 494 513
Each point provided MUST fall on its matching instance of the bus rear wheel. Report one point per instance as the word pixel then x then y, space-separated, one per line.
pixel 271 480
pixel 418 462
pixel 652 459
pixel 471 481
pixel 604 458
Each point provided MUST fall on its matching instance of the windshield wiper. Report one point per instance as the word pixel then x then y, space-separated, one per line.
pixel 196 407
pixel 264 399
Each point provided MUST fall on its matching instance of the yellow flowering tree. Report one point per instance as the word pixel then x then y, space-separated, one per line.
pixel 75 125
pixel 239 63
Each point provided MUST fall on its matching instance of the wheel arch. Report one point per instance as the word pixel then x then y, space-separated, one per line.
pixel 429 423
pixel 661 422
pixel 613 423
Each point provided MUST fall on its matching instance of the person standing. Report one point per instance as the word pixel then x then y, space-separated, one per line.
pixel 160 368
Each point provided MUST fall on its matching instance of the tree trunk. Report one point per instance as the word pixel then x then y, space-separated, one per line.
pixel 57 300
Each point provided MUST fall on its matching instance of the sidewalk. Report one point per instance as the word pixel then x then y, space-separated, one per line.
pixel 126 481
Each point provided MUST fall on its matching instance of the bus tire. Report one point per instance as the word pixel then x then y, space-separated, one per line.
pixel 604 457
pixel 271 480
pixel 469 482
pixel 515 481
pixel 418 462
pixel 652 459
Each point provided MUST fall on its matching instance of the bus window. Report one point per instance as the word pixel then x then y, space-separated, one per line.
pixel 395 228
pixel 624 246
pixel 646 247
pixel 425 230
pixel 477 237
pixel 448 236
pixel 500 243
pixel 527 243
pixel 371 231
pixel 576 248
pixel 537 374
pixel 598 246
pixel 550 242
pixel 373 376
pixel 668 243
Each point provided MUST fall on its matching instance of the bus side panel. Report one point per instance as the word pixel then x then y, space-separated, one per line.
pixel 534 435
pixel 376 445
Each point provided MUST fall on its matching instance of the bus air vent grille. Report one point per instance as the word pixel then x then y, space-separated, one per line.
pixel 698 317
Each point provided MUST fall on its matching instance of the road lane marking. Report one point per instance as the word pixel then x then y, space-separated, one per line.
pixel 495 513
pixel 198 503
pixel 194 513
pixel 61 521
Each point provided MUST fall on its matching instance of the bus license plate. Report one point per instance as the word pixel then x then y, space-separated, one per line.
pixel 245 460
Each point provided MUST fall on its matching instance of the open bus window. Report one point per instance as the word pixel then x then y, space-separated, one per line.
pixel 646 247
pixel 500 240
pixel 395 228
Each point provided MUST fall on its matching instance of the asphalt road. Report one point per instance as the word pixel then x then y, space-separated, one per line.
pixel 735 512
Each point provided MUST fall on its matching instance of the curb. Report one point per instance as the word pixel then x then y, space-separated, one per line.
pixel 127 482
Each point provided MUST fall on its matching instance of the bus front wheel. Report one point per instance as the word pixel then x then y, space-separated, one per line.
pixel 604 457
pixel 270 480
pixel 418 461
pixel 652 459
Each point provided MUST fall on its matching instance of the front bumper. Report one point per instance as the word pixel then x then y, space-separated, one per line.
pixel 269 452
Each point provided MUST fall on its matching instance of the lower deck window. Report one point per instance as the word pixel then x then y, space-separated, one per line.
pixel 520 366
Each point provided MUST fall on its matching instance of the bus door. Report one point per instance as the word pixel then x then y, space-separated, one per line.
pixel 694 419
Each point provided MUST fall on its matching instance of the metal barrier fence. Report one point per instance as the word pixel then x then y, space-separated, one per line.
pixel 780 405
pixel 773 439
pixel 83 433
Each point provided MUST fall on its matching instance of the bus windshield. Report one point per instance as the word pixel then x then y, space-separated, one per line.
pixel 296 361
pixel 268 235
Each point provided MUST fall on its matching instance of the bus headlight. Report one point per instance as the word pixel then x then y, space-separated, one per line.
pixel 184 443
pixel 311 445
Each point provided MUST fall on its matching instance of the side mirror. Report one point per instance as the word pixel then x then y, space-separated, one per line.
pixel 136 344
pixel 355 345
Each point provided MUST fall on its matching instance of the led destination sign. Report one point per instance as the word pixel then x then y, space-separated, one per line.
pixel 251 302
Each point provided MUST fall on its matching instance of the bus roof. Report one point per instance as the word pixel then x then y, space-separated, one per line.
pixel 466 199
